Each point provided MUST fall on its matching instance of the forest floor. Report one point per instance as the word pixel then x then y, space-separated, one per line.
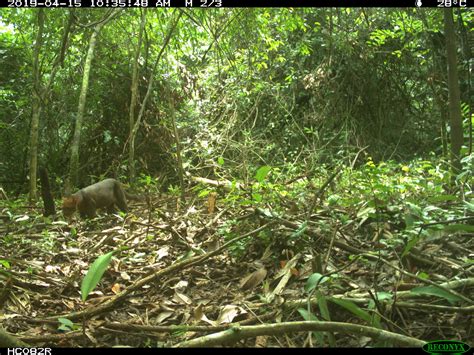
pixel 207 275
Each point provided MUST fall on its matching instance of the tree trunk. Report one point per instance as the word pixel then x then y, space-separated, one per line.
pixel 454 93
pixel 134 99
pixel 40 95
pixel 48 200
pixel 179 160
pixel 36 108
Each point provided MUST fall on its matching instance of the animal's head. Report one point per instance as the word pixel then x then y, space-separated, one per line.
pixel 69 205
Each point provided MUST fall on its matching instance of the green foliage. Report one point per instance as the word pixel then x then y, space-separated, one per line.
pixel 315 280
pixel 67 325
pixel 262 173
pixel 5 263
pixel 274 88
pixel 174 190
pixel 357 311
pixel 94 274
pixel 436 291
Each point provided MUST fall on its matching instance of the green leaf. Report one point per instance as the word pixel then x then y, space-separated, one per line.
pixel 323 308
pixel 424 275
pixel 469 205
pixel 204 193
pixel 220 161
pixel 383 296
pixel 5 263
pixel 94 274
pixel 307 315
pixel 411 243
pixel 435 291
pixel 262 173
pixel 66 324
pixel 301 229
pixel 313 280
pixel 65 321
pixel 257 197
pixel 310 316
pixel 353 308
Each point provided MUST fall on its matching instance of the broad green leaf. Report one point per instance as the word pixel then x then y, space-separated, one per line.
pixel 94 274
pixel 409 220
pixel 262 173
pixel 411 243
pixel 64 328
pixel 383 296
pixel 310 316
pixel 66 322
pixel 415 209
pixel 323 308
pixel 307 315
pixel 353 308
pixel 314 280
pixel 220 161
pixel 435 291
pixel 5 263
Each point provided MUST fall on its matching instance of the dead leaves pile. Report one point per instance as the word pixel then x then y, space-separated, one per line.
pixel 175 279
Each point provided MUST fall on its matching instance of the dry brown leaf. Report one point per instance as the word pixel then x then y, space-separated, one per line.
pixel 287 265
pixel 211 202
pixel 228 313
pixel 52 269
pixel 162 252
pixel 254 279
pixel 198 312
pixel 181 298
pixel 163 315
pixel 285 275
pixel 180 285
pixel 208 321
pixel 91 337
pixel 212 244
pixel 261 341
pixel 116 288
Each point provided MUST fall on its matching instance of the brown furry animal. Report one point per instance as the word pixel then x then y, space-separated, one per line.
pixel 106 194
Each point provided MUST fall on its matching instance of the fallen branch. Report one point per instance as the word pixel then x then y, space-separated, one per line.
pixel 226 184
pixel 243 332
